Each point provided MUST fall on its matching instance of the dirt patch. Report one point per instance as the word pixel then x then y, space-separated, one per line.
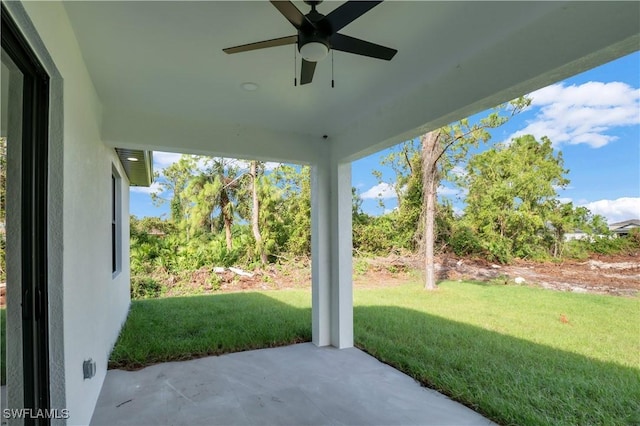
pixel 614 275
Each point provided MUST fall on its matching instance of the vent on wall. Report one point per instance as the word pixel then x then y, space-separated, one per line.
pixel 138 165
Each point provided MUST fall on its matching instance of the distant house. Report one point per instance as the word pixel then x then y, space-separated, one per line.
pixel 577 234
pixel 156 232
pixel 622 229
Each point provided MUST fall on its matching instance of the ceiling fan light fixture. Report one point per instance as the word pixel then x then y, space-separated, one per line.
pixel 314 51
pixel 317 35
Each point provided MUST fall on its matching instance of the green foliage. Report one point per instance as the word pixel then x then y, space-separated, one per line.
pixel 512 210
pixel 511 199
pixel 174 180
pixel 376 234
pixel 294 216
pixel 408 224
pixel 214 281
pixel 145 288
pixel 576 249
pixel 215 202
pixel 607 244
pixel 414 163
pixel 465 242
pixel 360 266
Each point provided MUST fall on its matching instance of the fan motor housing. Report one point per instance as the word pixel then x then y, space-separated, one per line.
pixel 315 36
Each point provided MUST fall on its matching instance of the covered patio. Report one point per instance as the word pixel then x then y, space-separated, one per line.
pixel 153 76
pixel 293 385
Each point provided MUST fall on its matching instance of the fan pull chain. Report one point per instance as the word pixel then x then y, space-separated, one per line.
pixel 332 83
pixel 295 68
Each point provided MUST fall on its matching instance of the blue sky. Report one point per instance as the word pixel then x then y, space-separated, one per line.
pixel 593 118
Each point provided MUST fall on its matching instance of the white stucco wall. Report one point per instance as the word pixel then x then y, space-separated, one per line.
pixel 89 305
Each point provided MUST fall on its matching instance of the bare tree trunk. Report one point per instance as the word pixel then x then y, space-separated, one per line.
pixel 431 152
pixel 255 212
pixel 228 220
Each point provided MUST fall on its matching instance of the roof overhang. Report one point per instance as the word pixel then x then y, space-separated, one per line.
pixel 138 165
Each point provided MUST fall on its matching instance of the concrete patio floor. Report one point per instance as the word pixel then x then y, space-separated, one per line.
pixel 294 385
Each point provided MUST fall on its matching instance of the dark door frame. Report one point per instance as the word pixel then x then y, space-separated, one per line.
pixel 33 213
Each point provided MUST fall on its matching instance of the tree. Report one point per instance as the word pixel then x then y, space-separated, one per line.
pixel 511 202
pixel 255 212
pixel 295 187
pixel 402 160
pixel 442 150
pixel 214 190
pixel 172 182
pixel 202 193
pixel 565 217
pixel 405 161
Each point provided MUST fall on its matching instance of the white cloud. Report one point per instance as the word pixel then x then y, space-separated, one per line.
pixel 565 200
pixel 162 160
pixel 270 165
pixel 582 114
pixel 459 171
pixel 616 210
pixel 445 190
pixel 155 187
pixel 382 190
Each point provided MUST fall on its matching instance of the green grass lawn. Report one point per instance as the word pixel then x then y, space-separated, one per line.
pixel 504 352
pixel 170 329
pixel 501 350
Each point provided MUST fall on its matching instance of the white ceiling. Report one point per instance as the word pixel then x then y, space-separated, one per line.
pixel 165 84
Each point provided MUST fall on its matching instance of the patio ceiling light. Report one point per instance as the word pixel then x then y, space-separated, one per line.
pixel 249 86
pixel 132 159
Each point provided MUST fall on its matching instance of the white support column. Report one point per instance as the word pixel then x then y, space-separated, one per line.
pixel 331 248
pixel 320 255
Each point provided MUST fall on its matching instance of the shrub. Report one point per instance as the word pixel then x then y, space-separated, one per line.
pixel 576 249
pixel 373 237
pixel 605 245
pixel 360 266
pixel 214 281
pixel 464 242
pixel 608 245
pixel 499 250
pixel 145 288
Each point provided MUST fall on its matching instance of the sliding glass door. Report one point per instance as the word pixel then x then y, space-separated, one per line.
pixel 23 226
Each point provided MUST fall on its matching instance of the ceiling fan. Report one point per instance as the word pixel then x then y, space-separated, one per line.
pixel 318 34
